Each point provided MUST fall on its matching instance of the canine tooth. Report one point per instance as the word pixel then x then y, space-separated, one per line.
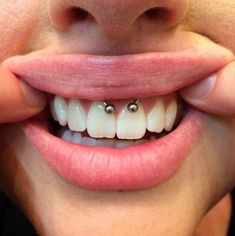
pixel 77 138
pixel 67 136
pixel 156 117
pixel 171 113
pixel 99 123
pixel 53 112
pixel 61 110
pixel 76 116
pixel 131 125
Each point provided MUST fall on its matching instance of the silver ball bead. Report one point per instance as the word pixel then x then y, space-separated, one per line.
pixel 133 107
pixel 109 108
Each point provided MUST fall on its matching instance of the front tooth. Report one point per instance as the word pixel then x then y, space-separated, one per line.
pixel 131 125
pixel 61 110
pixel 171 113
pixel 123 144
pixel 76 116
pixel 106 142
pixel 67 135
pixel 99 123
pixel 77 138
pixel 89 141
pixel 156 117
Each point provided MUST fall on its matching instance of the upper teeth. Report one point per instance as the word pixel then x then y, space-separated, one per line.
pixel 131 125
pixel 125 124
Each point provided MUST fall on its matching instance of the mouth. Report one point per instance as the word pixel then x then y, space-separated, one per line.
pixel 126 124
pixel 116 122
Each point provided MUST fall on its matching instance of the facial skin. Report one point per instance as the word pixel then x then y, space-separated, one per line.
pixel 174 208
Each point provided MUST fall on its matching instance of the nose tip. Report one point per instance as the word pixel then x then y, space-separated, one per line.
pixel 116 17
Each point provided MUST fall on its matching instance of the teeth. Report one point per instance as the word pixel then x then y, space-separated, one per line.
pixel 67 135
pixel 102 127
pixel 156 117
pixel 171 114
pixel 53 112
pixel 123 144
pixel 106 142
pixel 99 123
pixel 131 125
pixel 76 116
pixel 142 141
pixel 89 141
pixel 77 138
pixel 60 110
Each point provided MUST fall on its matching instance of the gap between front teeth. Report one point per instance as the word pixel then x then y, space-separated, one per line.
pixel 125 125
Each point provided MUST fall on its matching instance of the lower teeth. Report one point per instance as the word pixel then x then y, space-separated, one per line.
pixel 77 138
pixel 99 137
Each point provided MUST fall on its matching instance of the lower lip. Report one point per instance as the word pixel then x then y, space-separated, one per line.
pixel 103 168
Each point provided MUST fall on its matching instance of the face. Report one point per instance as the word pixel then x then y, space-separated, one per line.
pixel 64 194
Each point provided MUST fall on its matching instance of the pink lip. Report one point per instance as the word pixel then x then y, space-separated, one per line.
pixel 135 167
pixel 116 77
pixel 101 77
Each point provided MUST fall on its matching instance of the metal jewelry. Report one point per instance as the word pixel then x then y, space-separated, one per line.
pixel 133 106
pixel 109 107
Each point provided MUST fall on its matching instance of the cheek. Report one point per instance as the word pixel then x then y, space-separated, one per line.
pixel 14 163
pixel 214 19
pixel 17 19
pixel 219 146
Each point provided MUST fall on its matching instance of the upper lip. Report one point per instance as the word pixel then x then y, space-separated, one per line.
pixel 95 77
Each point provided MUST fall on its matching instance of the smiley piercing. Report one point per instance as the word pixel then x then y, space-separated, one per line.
pixel 109 107
pixel 132 107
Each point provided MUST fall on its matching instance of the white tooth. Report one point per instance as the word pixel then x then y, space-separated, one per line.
pixel 61 110
pixel 89 141
pixel 53 112
pixel 131 125
pixel 123 144
pixel 77 138
pixel 67 136
pixel 76 116
pixel 171 113
pixel 99 123
pixel 156 117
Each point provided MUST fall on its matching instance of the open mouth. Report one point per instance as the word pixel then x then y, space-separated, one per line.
pixel 126 151
pixel 118 122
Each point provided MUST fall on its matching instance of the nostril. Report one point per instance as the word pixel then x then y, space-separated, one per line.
pixel 157 13
pixel 77 14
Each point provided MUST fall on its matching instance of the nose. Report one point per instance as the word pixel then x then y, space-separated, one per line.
pixel 114 18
